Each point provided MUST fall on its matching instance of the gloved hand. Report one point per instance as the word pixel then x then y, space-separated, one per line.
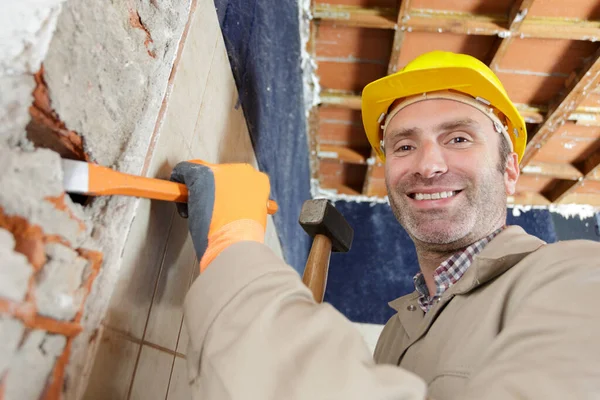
pixel 227 203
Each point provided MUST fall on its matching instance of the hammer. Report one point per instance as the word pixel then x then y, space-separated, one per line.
pixel 330 231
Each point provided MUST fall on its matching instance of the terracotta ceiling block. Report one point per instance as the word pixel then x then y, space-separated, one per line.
pixel 348 76
pixel 345 43
pixel 551 55
pixel 482 7
pixel 351 175
pixel 377 188
pixel 571 130
pixel 589 186
pixel 566 149
pixel 581 9
pixel 528 183
pixel 378 172
pixel 361 3
pixel 417 43
pixel 531 89
pixel 341 127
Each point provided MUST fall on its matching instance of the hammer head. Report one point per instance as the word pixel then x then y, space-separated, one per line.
pixel 319 216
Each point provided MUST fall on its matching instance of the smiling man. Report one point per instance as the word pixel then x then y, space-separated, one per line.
pixel 496 313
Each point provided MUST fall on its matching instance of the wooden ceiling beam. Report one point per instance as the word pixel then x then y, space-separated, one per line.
pixel 591 167
pixel 419 20
pixel 528 198
pixel 516 16
pixel 567 191
pixel 332 98
pixel 383 18
pixel 552 170
pixel 341 153
pixel 398 37
pixel 338 188
pixel 589 199
pixel 560 110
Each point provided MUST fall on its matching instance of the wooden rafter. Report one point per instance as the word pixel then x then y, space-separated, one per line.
pixel 566 192
pixel 341 153
pixel 418 20
pixel 331 98
pixel 517 14
pixel 560 110
pixel 552 170
pixel 398 37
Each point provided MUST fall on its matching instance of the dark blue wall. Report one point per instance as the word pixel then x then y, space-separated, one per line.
pixel 263 44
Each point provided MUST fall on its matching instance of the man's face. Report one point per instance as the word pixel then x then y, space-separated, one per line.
pixel 442 173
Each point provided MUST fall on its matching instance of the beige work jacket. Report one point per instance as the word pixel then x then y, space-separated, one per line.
pixel 522 323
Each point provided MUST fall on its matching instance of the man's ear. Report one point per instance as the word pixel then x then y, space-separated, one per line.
pixel 511 173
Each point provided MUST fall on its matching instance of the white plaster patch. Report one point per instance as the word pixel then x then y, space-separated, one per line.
pixel 27 178
pixel 31 365
pixel 58 293
pixel 15 99
pixel 308 65
pixel 566 210
pixel 26 27
pixel 11 332
pixel 14 270
pixel 317 192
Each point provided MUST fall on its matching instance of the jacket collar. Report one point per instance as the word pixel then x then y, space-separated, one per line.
pixel 505 250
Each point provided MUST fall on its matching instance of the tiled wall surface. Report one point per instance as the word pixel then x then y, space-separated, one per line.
pixel 143 342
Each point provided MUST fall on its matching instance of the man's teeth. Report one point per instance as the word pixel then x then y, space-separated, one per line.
pixel 433 196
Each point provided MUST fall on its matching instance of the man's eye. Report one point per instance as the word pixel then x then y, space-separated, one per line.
pixel 459 139
pixel 404 148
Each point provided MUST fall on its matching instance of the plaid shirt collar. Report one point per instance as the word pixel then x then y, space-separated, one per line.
pixel 450 271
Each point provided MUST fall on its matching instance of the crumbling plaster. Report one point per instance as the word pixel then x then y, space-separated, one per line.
pixel 26 27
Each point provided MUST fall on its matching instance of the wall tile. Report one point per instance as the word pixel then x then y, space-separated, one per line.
pixel 152 375
pixel 179 387
pixel 167 309
pixel 113 367
pixel 144 249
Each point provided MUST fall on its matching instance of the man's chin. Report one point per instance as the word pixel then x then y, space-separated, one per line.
pixel 438 233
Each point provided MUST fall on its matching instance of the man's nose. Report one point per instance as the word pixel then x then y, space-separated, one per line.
pixel 431 161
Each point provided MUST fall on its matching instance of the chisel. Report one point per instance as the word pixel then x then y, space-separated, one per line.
pixel 94 180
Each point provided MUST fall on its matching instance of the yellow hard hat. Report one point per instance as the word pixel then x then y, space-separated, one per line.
pixel 436 71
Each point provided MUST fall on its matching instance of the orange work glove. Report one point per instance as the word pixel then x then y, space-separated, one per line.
pixel 227 203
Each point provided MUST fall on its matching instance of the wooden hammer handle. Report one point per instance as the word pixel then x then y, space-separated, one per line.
pixel 317 265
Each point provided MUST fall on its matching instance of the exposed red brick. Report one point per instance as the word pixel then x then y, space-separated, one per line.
pixel 46 129
pixel 136 21
pixel 95 259
pixel 54 389
pixel 29 239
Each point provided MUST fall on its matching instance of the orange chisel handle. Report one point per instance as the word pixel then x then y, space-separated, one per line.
pixel 105 181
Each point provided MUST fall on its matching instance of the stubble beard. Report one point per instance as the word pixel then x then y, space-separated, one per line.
pixel 476 214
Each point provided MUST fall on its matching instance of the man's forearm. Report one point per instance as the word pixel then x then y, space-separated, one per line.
pixel 256 333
